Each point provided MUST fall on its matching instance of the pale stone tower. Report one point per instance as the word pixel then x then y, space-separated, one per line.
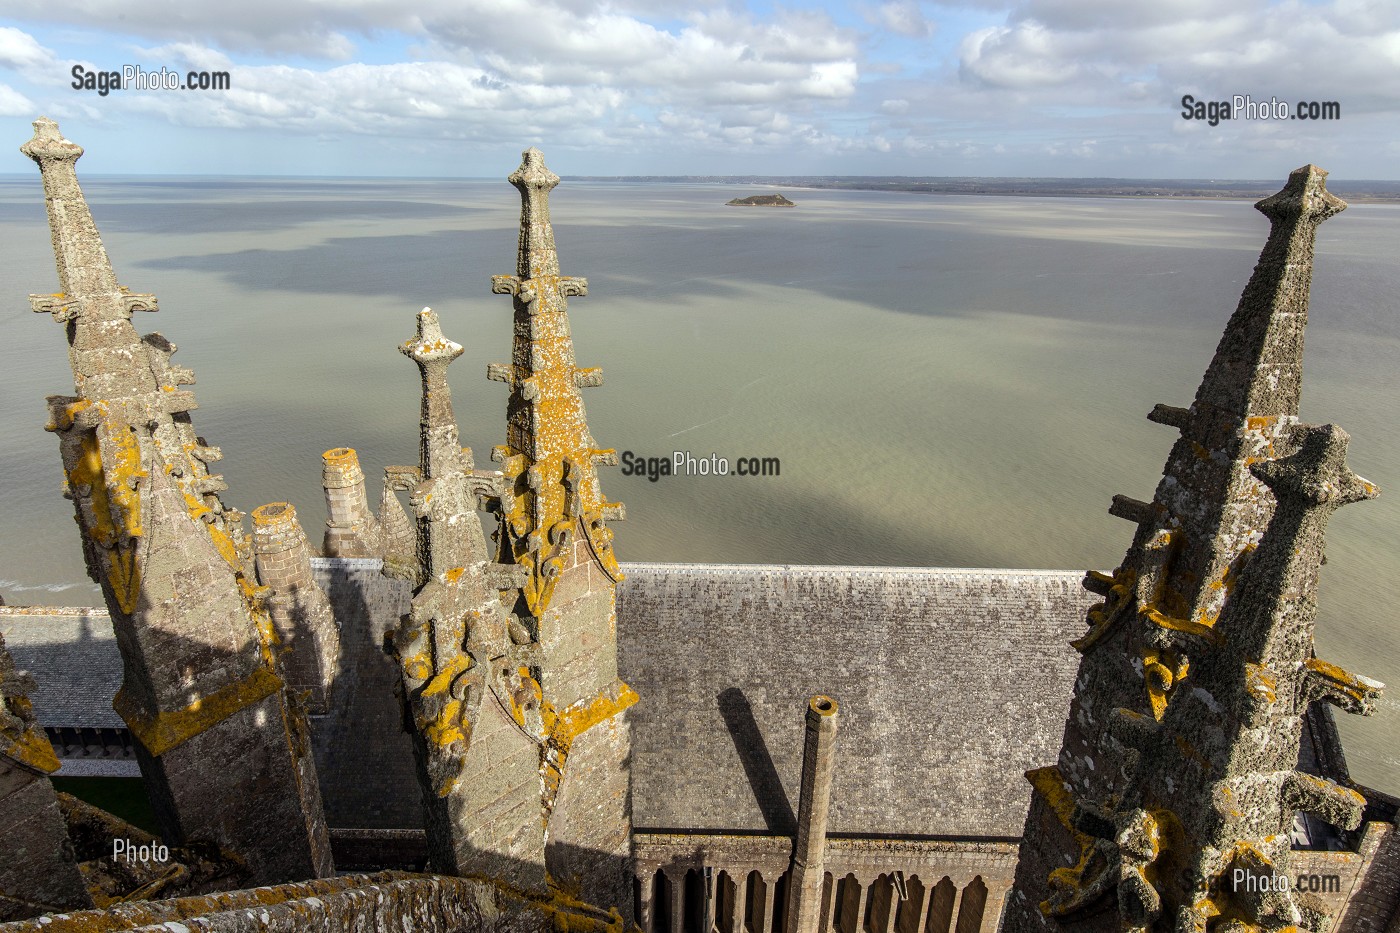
pixel 223 749
pixel 1202 649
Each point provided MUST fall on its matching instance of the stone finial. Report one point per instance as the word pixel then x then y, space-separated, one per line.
pixel 537 255
pixel 1258 366
pixel 298 608
pixel 88 287
pixel 1305 196
pixel 48 143
pixel 430 345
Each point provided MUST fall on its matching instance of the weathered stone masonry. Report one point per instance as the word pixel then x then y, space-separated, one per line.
pixel 224 750
pixel 1178 760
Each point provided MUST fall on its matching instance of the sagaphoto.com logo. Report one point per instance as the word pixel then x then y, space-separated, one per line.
pixel 136 78
pixel 1245 107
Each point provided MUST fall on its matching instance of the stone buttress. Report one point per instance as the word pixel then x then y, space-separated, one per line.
pixel 1161 619
pixel 38 868
pixel 223 749
pixel 553 523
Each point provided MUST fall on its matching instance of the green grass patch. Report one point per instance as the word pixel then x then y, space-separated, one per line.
pixel 119 796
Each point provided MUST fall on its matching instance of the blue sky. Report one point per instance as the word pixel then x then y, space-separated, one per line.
pixel 1076 88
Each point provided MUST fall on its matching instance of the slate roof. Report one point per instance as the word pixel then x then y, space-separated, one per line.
pixel 952 683
pixel 74 659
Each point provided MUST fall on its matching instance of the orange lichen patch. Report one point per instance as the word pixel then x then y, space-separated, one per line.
pixel 443 679
pixel 274 513
pixel 30 748
pixel 161 732
pixel 1260 422
pixel 444 729
pixel 1056 792
pixel 1261 683
pixel 1102 617
pixel 1162 671
pixel 1052 787
pixel 1189 626
pixel 1361 690
pixel 1101 577
pixel 562 728
pixel 115 495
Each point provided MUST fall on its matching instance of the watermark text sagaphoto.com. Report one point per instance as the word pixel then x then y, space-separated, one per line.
pixel 685 463
pixel 1244 107
pixel 135 78
pixel 1244 880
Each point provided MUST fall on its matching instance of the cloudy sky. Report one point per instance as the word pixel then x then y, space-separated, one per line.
pixel 458 87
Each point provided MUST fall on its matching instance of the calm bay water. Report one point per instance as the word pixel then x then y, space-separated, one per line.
pixel 948 381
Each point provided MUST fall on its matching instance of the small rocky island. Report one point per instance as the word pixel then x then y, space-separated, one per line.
pixel 761 200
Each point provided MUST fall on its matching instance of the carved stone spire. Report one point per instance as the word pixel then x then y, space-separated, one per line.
pixel 442 499
pixel 550 455
pixel 465 660
pixel 175 567
pixel 1215 790
pixel 1162 604
pixel 554 526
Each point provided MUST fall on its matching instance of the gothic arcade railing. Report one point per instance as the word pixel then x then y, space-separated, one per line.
pixel 737 884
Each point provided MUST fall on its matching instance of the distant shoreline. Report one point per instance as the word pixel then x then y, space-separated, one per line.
pixel 1190 189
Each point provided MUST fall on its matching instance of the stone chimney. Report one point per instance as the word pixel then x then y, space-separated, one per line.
pixel 351 528
pixel 300 612
pixel 808 871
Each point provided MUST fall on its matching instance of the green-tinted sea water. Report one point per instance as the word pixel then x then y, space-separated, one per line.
pixel 947 381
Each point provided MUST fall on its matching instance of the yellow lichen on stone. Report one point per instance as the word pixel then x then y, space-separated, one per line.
pixel 161 732
pixel 1051 786
pixel 115 498
pixel 1189 626
pixel 31 748
pixel 1359 689
pixel 1161 671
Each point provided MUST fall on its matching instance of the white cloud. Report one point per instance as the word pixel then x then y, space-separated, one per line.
pixel 19 51
pixel 903 17
pixel 13 103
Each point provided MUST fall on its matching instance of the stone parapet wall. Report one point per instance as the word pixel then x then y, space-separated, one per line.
pixel 348 904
